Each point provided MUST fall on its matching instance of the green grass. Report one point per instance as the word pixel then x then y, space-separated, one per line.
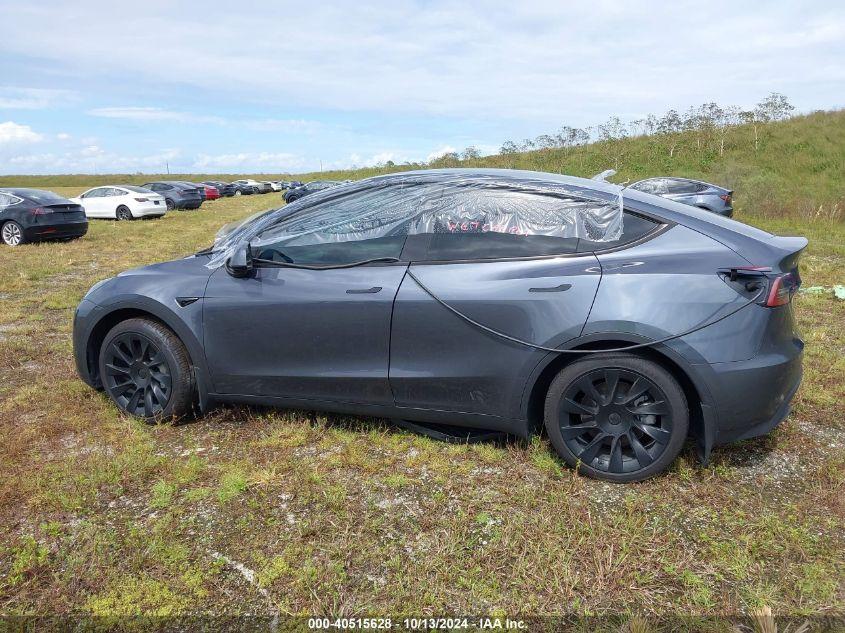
pixel 101 514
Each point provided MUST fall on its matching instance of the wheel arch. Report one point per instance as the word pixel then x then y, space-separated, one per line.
pixel 703 423
pixel 123 312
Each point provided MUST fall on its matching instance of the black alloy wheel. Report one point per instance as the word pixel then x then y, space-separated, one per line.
pixel 145 370
pixel 623 420
pixel 137 375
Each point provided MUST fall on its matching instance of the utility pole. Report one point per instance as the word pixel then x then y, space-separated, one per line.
pixel 321 165
pixel 167 166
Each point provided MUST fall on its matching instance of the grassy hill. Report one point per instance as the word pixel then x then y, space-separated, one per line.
pixel 795 169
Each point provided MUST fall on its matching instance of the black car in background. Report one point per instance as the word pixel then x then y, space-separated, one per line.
pixel 317 185
pixel 32 215
pixel 227 190
pixel 177 195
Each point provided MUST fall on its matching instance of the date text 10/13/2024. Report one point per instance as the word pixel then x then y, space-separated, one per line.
pixel 417 624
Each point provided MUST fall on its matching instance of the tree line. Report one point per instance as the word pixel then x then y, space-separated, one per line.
pixel 705 128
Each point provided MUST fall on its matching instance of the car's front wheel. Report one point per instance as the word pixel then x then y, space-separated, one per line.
pixel 616 416
pixel 146 371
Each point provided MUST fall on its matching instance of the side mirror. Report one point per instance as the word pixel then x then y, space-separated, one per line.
pixel 239 264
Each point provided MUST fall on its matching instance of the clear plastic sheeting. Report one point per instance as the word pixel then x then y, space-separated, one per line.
pixel 436 202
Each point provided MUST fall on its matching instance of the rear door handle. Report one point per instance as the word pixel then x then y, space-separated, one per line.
pixel 364 291
pixel 559 288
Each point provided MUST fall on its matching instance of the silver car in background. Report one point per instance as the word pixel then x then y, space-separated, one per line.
pixel 696 193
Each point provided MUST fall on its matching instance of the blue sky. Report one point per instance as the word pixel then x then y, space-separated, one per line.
pixel 106 87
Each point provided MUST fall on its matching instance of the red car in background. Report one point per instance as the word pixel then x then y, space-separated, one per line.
pixel 208 192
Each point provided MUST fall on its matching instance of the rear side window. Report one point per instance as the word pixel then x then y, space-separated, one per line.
pixel 7 199
pixel 684 186
pixel 503 224
pixel 634 227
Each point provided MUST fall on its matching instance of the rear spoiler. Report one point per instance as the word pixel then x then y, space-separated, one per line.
pixel 786 251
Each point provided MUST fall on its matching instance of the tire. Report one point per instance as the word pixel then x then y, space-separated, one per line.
pixel 12 234
pixel 123 213
pixel 623 438
pixel 169 204
pixel 238 192
pixel 146 372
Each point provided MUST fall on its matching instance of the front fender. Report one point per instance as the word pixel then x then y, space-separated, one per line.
pixel 93 320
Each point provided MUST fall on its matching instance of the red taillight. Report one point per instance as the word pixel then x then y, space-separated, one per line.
pixel 726 198
pixel 142 199
pixel 40 211
pixel 781 290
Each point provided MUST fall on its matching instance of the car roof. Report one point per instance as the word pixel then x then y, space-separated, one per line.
pixel 512 175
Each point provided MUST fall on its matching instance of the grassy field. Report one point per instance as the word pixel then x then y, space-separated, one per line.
pixel 103 515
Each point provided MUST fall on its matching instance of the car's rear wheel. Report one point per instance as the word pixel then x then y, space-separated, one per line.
pixel 146 371
pixel 169 204
pixel 617 417
pixel 238 192
pixel 123 213
pixel 12 234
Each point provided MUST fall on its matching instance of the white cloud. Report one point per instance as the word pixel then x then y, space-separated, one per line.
pixel 63 136
pixel 537 59
pixel 146 113
pixel 249 161
pixel 445 149
pixel 14 133
pixel 16 98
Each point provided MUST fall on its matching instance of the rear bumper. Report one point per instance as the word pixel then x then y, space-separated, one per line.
pixel 189 204
pixel 55 231
pixel 752 397
pixel 149 210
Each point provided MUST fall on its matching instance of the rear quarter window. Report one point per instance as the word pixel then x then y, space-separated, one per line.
pixel 634 227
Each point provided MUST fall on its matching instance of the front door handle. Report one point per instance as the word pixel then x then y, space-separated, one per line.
pixel 364 291
pixel 559 288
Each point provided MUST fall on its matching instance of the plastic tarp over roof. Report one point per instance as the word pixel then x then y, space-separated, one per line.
pixel 443 201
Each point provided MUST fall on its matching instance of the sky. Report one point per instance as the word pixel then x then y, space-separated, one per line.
pixel 279 87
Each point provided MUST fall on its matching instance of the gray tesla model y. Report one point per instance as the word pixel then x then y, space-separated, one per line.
pixel 622 322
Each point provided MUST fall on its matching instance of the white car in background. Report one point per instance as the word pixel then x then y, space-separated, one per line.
pixel 122 202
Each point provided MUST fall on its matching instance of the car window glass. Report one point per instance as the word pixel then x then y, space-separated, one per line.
pixel 654 186
pixel 634 227
pixel 682 186
pixel 317 238
pixel 436 203
pixel 485 228
pixel 7 199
